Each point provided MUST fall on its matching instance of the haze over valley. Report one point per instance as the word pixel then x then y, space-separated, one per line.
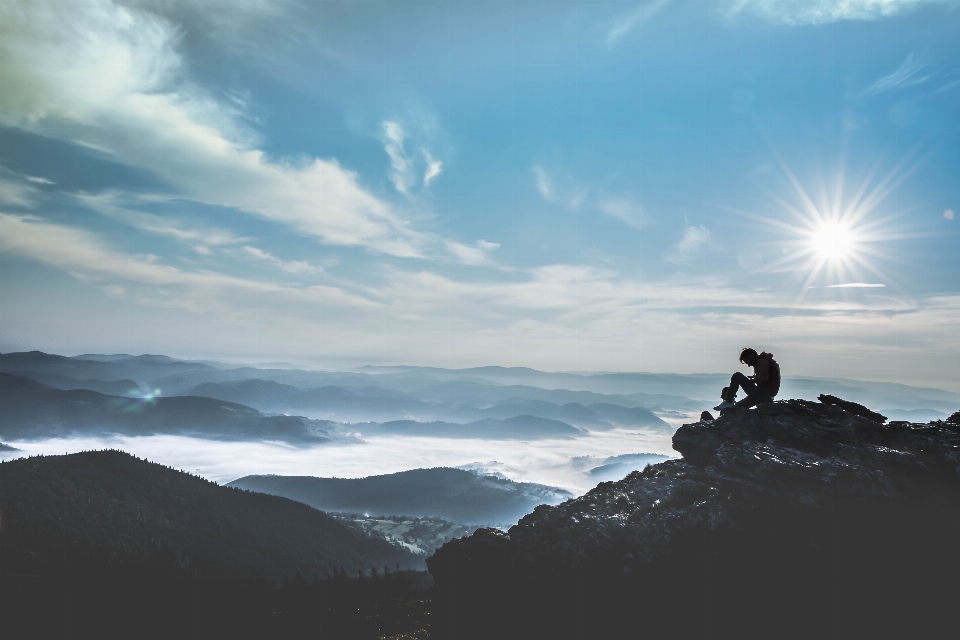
pixel 225 422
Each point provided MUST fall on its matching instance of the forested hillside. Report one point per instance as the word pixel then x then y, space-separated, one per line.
pixel 107 512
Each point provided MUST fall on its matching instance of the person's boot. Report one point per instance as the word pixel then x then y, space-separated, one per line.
pixel 729 399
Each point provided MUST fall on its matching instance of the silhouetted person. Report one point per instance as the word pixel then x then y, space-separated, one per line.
pixel 762 386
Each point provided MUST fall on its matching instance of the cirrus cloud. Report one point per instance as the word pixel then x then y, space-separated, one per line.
pixel 800 12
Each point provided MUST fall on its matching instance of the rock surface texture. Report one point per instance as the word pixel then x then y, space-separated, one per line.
pixel 794 519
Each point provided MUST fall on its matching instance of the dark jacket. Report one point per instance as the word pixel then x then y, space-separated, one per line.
pixel 766 373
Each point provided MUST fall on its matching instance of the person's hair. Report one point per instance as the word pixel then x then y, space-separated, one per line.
pixel 747 352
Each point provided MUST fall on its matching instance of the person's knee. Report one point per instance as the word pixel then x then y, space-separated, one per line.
pixel 738 378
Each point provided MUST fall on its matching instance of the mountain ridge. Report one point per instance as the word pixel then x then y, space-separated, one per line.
pixel 32 410
pixel 439 492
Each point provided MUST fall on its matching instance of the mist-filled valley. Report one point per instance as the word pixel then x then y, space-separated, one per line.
pixel 225 422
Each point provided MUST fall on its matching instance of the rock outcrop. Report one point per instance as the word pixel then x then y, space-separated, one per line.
pixel 794 519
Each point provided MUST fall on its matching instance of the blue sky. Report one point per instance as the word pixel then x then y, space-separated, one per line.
pixel 562 185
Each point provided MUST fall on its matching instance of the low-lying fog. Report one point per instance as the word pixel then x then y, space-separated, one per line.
pixel 560 463
pixel 224 422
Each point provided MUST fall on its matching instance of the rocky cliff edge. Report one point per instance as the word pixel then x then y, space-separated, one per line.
pixel 794 512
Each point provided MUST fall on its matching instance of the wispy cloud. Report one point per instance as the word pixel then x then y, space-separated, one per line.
pixel 571 195
pixel 406 168
pixel 856 285
pixel 544 185
pixel 85 256
pixel 908 74
pixel 478 254
pixel 290 266
pixel 629 21
pixel 15 190
pixel 434 167
pixel 624 209
pixel 111 77
pixel 401 167
pixel 689 246
pixel 111 204
pixel 800 12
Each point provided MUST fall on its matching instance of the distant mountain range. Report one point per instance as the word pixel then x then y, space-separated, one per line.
pixel 108 513
pixel 32 410
pixel 428 401
pixel 376 404
pixel 450 494
pixel 515 428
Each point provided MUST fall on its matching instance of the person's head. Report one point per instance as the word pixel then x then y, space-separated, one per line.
pixel 748 356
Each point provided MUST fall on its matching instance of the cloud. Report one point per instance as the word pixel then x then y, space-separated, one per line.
pixel 627 22
pixel 114 291
pixel 400 165
pixel 86 257
pixel 906 75
pixel 405 168
pixel 477 254
pixel 689 245
pixel 544 185
pixel 571 196
pixel 111 77
pixel 434 167
pixel 947 86
pixel 200 239
pixel 801 12
pixel 855 285
pixel 15 191
pixel 295 266
pixel 575 196
pixel 623 209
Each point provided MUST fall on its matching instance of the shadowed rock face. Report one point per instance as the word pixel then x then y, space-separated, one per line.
pixel 795 516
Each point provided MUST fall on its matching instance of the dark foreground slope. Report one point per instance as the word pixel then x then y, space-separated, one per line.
pixel 99 540
pixel 107 512
pixel 451 494
pixel 796 519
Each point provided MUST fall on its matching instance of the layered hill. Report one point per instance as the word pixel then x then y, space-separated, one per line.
pixel 523 427
pixel 425 394
pixel 108 513
pixel 450 494
pixel 795 519
pixel 329 402
pixel 32 410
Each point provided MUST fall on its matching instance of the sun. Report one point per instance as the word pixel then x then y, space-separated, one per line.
pixel 834 238
pixel 832 241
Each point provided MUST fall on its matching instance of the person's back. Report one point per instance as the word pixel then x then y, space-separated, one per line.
pixel 766 373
